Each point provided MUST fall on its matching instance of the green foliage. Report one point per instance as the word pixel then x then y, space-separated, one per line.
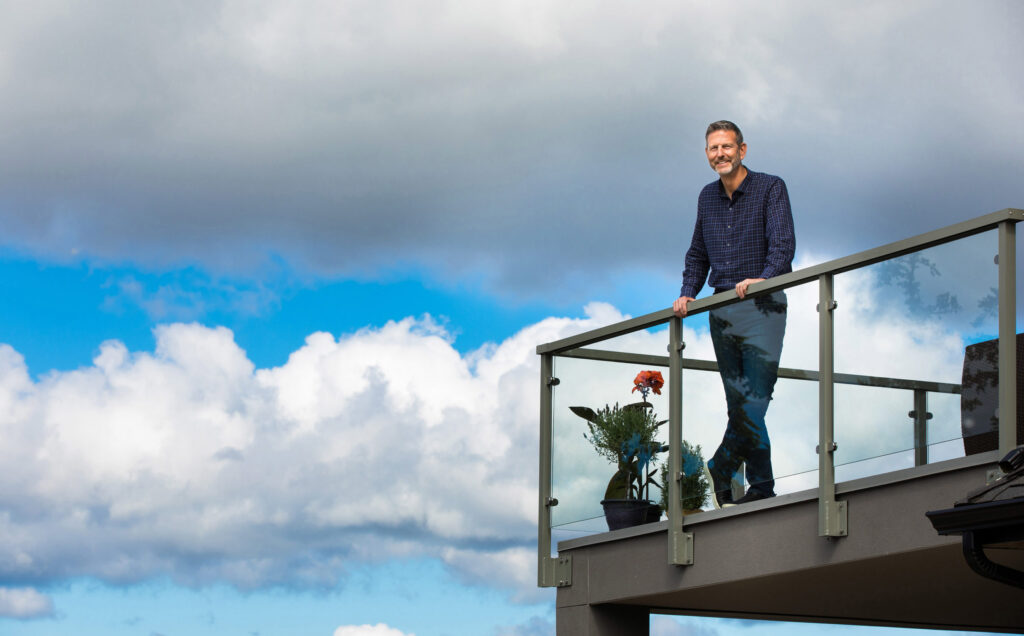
pixel 693 488
pixel 625 437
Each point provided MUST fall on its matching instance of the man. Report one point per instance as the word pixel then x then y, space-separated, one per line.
pixel 743 235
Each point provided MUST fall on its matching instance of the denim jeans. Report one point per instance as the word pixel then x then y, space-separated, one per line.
pixel 748 343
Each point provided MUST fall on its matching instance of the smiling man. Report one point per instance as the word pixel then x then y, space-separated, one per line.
pixel 744 234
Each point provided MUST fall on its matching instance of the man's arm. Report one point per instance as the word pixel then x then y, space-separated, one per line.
pixel 779 233
pixel 696 264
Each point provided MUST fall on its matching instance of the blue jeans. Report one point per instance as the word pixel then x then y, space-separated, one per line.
pixel 747 337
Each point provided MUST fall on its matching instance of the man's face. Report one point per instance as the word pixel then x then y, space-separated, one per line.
pixel 724 154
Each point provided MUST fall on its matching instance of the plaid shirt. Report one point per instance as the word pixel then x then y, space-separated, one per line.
pixel 749 236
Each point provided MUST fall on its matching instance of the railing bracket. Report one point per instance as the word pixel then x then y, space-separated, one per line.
pixel 832 519
pixel 832 306
pixel 556 571
pixel 551 502
pixel 832 447
pixel 680 547
pixel 553 381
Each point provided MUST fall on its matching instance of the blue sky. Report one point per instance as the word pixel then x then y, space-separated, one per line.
pixel 273 273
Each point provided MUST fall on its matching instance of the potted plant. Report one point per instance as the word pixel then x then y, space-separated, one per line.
pixel 625 436
pixel 693 487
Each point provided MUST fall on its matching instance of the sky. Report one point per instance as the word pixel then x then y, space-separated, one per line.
pixel 273 273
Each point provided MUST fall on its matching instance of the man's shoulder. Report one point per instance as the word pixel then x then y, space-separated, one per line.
pixel 713 189
pixel 763 177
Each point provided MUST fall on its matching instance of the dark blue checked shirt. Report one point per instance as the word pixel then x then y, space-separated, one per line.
pixel 749 236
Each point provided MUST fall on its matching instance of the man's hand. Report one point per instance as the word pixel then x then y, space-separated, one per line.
pixel 741 287
pixel 679 306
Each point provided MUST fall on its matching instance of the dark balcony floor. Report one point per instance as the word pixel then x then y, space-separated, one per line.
pixel 766 561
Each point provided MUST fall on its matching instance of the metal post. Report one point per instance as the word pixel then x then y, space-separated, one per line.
pixel 680 544
pixel 921 417
pixel 551 572
pixel 831 513
pixel 1007 338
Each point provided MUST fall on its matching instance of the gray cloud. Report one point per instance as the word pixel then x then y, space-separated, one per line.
pixel 505 141
pixel 24 603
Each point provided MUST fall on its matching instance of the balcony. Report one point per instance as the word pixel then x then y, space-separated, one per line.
pixel 873 376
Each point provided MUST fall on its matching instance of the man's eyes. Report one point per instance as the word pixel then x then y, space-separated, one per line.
pixel 724 147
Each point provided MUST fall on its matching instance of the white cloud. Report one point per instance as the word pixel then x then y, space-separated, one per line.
pixel 24 603
pixel 510 568
pixel 380 629
pixel 190 462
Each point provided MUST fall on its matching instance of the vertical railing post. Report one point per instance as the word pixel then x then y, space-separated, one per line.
pixel 831 513
pixel 551 572
pixel 1007 338
pixel 680 544
pixel 921 417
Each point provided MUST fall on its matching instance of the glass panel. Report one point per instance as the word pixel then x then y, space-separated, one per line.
pixel 580 475
pixel 704 410
pixel 791 418
pixel 908 318
pixel 945 439
pixel 793 415
pixel 653 341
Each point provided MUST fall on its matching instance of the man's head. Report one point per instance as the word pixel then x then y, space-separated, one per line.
pixel 724 147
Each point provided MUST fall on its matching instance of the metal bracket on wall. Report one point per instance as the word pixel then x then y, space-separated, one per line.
pixel 556 571
pixel 680 547
pixel 833 523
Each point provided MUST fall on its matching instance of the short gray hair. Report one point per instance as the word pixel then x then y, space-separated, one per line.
pixel 725 124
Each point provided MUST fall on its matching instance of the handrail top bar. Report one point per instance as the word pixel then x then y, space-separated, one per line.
pixel 836 266
pixel 696 364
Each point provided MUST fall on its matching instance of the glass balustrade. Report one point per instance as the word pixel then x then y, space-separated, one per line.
pixel 580 475
pixel 902 394
pixel 791 418
pixel 910 319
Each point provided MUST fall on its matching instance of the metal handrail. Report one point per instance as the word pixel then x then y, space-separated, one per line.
pixel 792 279
pixel 784 372
pixel 832 513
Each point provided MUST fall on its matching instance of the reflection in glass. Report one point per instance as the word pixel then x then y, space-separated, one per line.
pixel 914 318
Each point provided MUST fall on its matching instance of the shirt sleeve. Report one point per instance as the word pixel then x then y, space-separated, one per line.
pixel 779 232
pixel 697 265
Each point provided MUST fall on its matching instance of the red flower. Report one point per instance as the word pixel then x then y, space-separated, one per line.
pixel 648 381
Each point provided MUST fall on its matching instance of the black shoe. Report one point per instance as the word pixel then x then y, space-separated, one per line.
pixel 752 495
pixel 721 496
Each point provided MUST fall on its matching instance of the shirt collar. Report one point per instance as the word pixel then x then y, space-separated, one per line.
pixel 739 189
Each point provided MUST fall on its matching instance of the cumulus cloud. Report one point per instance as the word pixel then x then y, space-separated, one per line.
pixel 189 461
pixel 24 603
pixel 340 135
pixel 380 629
